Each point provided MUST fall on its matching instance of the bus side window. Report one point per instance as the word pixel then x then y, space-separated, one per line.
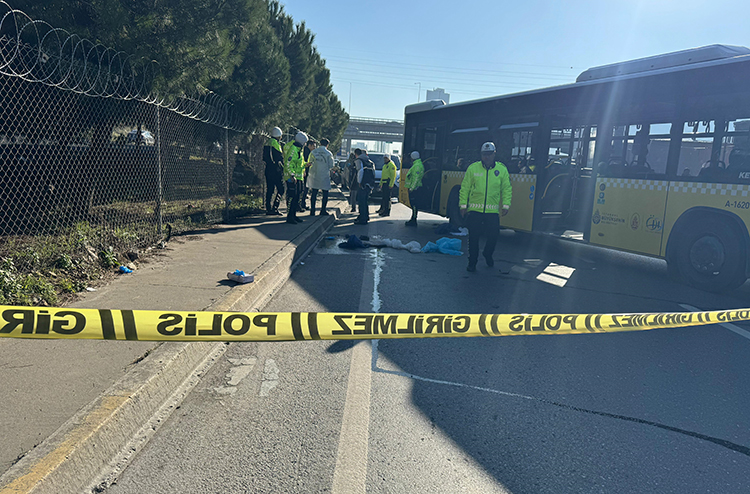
pixel 735 150
pixel 637 151
pixel 696 152
pixel 463 149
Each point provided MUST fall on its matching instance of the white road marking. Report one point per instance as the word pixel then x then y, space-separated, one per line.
pixel 350 474
pixel 374 367
pixel 270 377
pixel 240 370
pixel 726 325
pixel 378 260
pixel 237 374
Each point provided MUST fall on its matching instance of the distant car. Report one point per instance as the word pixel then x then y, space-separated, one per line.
pixel 379 161
pixel 147 138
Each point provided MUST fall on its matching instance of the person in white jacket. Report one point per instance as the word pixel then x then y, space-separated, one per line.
pixel 319 177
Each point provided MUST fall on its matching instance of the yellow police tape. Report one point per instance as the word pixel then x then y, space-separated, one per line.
pixel 150 325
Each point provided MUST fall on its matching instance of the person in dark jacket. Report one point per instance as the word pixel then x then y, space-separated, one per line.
pixel 366 179
pixel 274 160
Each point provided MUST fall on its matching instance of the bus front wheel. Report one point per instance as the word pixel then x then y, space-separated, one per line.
pixel 709 255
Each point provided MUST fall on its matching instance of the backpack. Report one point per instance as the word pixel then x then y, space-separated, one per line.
pixel 368 175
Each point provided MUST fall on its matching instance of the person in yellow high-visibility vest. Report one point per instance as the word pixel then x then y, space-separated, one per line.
pixel 387 179
pixel 485 196
pixel 414 184
pixel 294 172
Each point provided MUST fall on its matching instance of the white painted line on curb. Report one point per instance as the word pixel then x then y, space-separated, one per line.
pixel 726 325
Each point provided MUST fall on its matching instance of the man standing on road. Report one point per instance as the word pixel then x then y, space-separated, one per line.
pixel 414 185
pixel 274 159
pixel 366 179
pixel 485 195
pixel 319 177
pixel 293 175
pixel 387 179
pixel 351 174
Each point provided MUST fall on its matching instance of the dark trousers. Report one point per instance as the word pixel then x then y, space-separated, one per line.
pixel 416 197
pixel 482 224
pixel 303 191
pixel 323 202
pixel 385 205
pixel 292 198
pixel 273 184
pixel 363 195
pixel 353 189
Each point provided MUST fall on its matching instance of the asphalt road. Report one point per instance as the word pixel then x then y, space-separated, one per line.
pixel 662 411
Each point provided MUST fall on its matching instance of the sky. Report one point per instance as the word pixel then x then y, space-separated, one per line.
pixel 382 54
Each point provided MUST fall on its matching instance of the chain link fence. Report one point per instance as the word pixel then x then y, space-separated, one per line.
pixel 94 167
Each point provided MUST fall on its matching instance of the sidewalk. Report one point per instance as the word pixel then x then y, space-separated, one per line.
pixel 45 383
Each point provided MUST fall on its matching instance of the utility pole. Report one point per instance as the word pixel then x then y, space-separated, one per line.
pixel 419 91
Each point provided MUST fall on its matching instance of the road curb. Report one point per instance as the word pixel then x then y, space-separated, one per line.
pixel 75 455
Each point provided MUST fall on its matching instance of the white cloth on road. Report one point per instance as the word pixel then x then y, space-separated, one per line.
pixel 414 247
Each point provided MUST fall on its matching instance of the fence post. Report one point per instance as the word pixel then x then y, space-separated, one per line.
pixel 159 189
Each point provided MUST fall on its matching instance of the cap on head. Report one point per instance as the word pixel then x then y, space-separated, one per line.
pixel 386 157
pixel 276 132
pixel 415 155
pixel 488 147
pixel 301 138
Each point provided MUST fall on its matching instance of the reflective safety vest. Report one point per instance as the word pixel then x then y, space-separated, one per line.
pixel 272 142
pixel 414 175
pixel 294 163
pixel 484 190
pixel 388 174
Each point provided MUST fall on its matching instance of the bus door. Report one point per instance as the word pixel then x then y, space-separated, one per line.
pixel 463 145
pixel 517 148
pixel 565 181
pixel 429 144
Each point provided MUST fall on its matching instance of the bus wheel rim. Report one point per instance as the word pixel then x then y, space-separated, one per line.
pixel 707 255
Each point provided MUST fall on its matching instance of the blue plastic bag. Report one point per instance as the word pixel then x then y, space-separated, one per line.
pixel 430 247
pixel 450 246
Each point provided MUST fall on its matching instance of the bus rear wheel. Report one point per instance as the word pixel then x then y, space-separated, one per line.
pixel 710 257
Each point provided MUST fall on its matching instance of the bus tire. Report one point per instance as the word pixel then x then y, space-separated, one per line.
pixel 454 211
pixel 710 257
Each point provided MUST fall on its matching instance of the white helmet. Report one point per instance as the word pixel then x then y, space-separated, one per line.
pixel 301 138
pixel 276 132
pixel 386 156
pixel 488 147
pixel 415 155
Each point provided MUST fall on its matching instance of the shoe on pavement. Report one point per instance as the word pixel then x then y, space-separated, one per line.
pixel 325 213
pixel 411 223
pixel 291 221
pixel 471 268
pixel 298 219
pixel 360 222
pixel 312 213
pixel 275 212
pixel 490 262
